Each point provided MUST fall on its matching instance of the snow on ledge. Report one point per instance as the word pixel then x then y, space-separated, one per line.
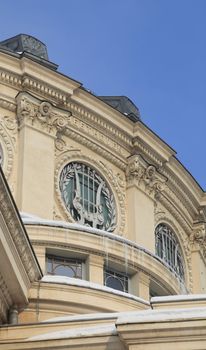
pixel 86 284
pixel 85 317
pixel 183 297
pixel 99 330
pixel 166 315
pixel 28 216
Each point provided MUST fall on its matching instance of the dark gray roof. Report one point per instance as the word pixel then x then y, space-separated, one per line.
pixel 124 105
pixel 24 42
pixel 24 45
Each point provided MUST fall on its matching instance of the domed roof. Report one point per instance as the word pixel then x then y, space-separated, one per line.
pixel 124 105
pixel 24 42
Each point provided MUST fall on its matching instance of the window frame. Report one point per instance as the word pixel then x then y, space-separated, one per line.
pixel 168 249
pixel 67 261
pixel 120 276
pixel 93 205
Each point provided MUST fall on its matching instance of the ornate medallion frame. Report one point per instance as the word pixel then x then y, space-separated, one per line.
pixel 113 182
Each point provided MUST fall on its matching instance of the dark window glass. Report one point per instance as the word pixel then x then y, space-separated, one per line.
pixel 168 249
pixel 87 197
pixel 64 266
pixel 116 280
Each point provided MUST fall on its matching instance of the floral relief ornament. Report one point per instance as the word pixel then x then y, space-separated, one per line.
pixel 44 113
pixel 142 173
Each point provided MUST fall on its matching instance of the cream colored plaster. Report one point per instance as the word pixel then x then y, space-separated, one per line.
pixel 140 218
pixel 36 173
pixel 95 266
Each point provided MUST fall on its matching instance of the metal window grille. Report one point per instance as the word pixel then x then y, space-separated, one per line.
pixel 87 197
pixel 168 249
pixel 116 280
pixel 69 267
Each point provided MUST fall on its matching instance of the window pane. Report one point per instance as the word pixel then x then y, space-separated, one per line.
pixel 87 197
pixel 113 282
pixel 64 266
pixel 116 280
pixel 167 248
pixel 64 271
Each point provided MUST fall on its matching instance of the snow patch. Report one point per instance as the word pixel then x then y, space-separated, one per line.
pixel 86 317
pixel 87 284
pixel 100 330
pixel 183 297
pixel 166 315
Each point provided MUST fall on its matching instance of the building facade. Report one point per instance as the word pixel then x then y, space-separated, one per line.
pixel 113 225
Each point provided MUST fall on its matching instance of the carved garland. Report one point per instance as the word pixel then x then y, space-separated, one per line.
pixel 8 143
pixel 116 183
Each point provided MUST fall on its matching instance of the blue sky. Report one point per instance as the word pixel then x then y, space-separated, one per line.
pixel 153 51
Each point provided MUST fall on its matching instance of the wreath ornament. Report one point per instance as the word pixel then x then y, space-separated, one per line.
pixel 87 197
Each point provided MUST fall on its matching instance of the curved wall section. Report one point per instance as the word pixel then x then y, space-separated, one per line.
pixel 100 251
pixel 76 297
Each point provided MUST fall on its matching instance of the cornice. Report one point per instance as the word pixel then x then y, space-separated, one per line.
pixel 40 114
pixel 44 90
pixel 61 123
pixel 7 103
pixel 11 79
pixel 152 141
pixel 28 76
pixel 102 124
pixel 171 206
pixel 181 194
pixel 105 150
pixel 148 153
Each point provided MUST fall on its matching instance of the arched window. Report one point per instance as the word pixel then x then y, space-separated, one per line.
pixel 116 280
pixel 69 267
pixel 168 249
pixel 87 196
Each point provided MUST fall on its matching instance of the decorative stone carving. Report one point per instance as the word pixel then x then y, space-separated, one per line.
pixel 7 104
pixel 105 127
pixel 97 148
pixel 8 135
pixel 198 237
pixel 116 183
pixel 143 175
pixel 199 234
pixel 41 114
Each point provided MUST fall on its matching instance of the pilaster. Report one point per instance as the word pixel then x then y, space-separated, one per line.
pixel 143 184
pixel 95 269
pixel 40 124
